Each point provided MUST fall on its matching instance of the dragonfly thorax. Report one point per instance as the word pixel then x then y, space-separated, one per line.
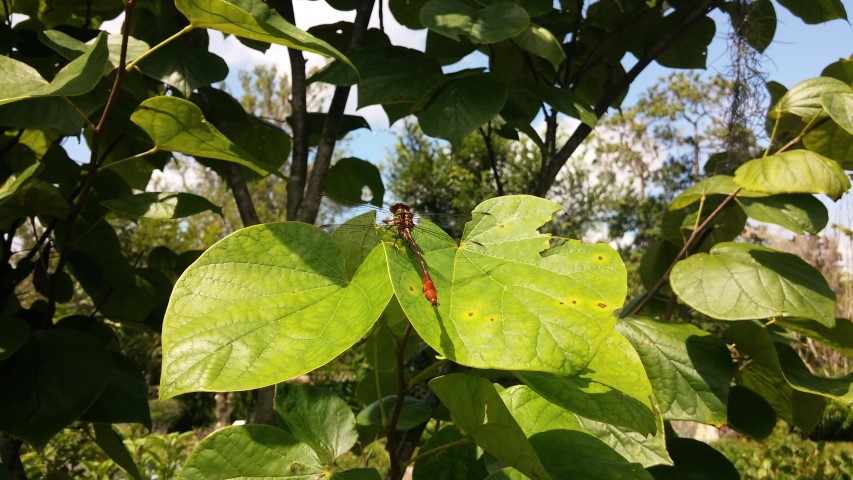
pixel 402 217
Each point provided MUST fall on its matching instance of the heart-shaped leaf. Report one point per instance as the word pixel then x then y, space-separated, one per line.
pixel 251 451
pixel 491 24
pixel 177 125
pixel 265 304
pixel 794 171
pixel 689 368
pixel 737 281
pixel 506 300
pixel 20 81
pixel 253 19
pixel 461 106
pixel 161 205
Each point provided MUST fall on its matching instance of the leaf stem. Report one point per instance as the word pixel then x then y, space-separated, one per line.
pixel 89 181
pixel 150 151
pixel 435 450
pixel 773 134
pixel 395 471
pixel 160 45
pixel 687 245
pixel 429 372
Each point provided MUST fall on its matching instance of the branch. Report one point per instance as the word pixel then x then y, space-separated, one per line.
pixel 298 120
pixel 323 159
pixel 558 161
pixel 689 243
pixel 89 181
pixel 394 472
pixel 490 151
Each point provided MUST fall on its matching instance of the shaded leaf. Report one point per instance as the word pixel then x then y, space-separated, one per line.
pixel 13 334
pixel 456 462
pixel 613 389
pixel 689 369
pixel 461 106
pixel 161 205
pixel 797 212
pixel 347 178
pixel 178 125
pixel 491 24
pixel 125 397
pixel 317 417
pixel 479 412
pixel 694 460
pixel 414 413
pixel 254 20
pixel 741 281
pixel 111 443
pixel 49 382
pixel 763 374
pixel 251 451
pixel 184 68
pixel 815 11
pixel 749 413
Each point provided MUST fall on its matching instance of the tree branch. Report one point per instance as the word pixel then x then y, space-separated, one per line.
pixel 323 159
pixel 556 163
pixel 298 120
pixel 89 181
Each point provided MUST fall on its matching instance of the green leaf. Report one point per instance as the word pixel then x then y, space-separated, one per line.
pixel 317 120
pixel 357 474
pixel 184 68
pixel 794 171
pixel 408 12
pixel 414 413
pixel 480 413
pixel 71 48
pixel 125 397
pixel 842 70
pixel 254 20
pixel 815 11
pixel 567 102
pixel 13 333
pixel 178 125
pixel 740 282
pixel 251 451
pixel 831 141
pixel 803 99
pixel 14 182
pixel 491 24
pixel 763 374
pixel 542 43
pixel 267 303
pixel 796 212
pixel 689 368
pixel 456 459
pixel 583 455
pixel 716 185
pixel 755 22
pixel 839 106
pixel 49 382
pixel 316 417
pixel 161 205
pixel 20 81
pixel 798 376
pixel 613 389
pixel 646 450
pixel 749 413
pixel 691 48
pixel 347 179
pixel 839 336
pixel 35 198
pixel 506 300
pixel 111 443
pixel 694 460
pixel 446 50
pixel 461 106
pixel 394 75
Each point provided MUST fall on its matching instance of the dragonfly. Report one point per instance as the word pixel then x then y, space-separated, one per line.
pixel 401 218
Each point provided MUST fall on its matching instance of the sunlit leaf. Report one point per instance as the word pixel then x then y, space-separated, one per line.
pixel 794 171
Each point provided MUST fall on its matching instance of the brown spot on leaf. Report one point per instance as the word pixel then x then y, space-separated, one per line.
pixel 602 305
pixel 470 314
pixel 411 288
pixel 600 258
pixel 574 302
